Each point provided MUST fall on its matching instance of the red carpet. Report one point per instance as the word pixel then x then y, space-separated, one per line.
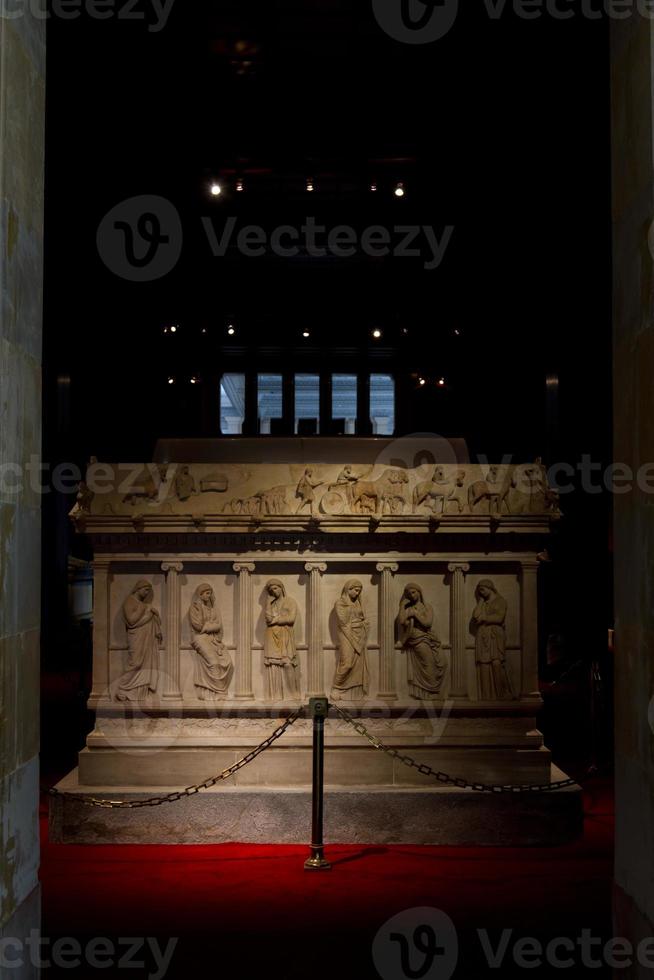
pixel 246 910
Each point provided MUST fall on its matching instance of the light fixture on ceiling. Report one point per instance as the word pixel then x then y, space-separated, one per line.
pixel 306 334
pixel 310 185
pixel 216 189
pixel 399 189
pixel 239 185
pixel 171 381
pixel 231 329
pixel 377 333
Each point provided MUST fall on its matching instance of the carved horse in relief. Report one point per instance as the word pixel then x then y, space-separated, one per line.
pixel 261 504
pixel 385 492
pixel 494 489
pixel 441 489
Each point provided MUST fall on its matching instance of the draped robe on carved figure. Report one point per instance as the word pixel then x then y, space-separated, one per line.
pixel 213 665
pixel 351 677
pixel 143 625
pixel 279 653
pixel 490 643
pixel 426 664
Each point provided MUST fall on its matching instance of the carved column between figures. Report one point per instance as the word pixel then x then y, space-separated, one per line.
pixel 315 673
pixel 387 688
pixel 101 628
pixel 243 685
pixel 458 684
pixel 529 628
pixel 171 687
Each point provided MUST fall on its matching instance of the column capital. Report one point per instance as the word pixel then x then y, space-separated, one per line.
pixel 103 563
pixel 387 566
pixel 459 566
pixel 243 566
pixel 316 566
pixel 529 565
pixel 171 566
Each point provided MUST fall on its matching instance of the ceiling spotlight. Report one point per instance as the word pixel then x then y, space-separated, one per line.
pixel 171 381
pixel 457 332
pixel 399 189
pixel 373 188
pixel 310 187
pixel 216 189
pixel 405 331
pixel 306 334
pixel 173 329
pixel 239 185
pixel 194 380
pixel 231 330
pixel 377 333
pixel 204 330
pixel 422 382
pixel 441 382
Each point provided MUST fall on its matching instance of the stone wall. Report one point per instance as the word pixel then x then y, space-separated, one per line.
pixel 22 110
pixel 633 211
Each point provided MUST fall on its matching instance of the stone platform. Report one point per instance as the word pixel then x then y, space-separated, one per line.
pixel 282 815
pixel 165 747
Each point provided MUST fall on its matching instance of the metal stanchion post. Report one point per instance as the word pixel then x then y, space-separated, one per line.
pixel 318 709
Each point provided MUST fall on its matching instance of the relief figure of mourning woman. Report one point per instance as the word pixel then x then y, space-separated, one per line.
pixel 213 664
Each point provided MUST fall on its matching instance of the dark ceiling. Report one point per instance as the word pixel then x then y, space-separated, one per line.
pixel 499 130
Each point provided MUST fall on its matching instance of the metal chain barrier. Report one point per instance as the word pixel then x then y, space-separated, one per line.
pixel 443 777
pixel 190 790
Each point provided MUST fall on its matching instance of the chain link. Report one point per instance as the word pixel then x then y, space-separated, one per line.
pixel 406 760
pixel 180 794
pixel 443 777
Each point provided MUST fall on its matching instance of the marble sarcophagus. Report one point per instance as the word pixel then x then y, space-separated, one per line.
pixel 226 593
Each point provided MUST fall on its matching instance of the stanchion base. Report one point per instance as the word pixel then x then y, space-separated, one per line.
pixel 317 862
